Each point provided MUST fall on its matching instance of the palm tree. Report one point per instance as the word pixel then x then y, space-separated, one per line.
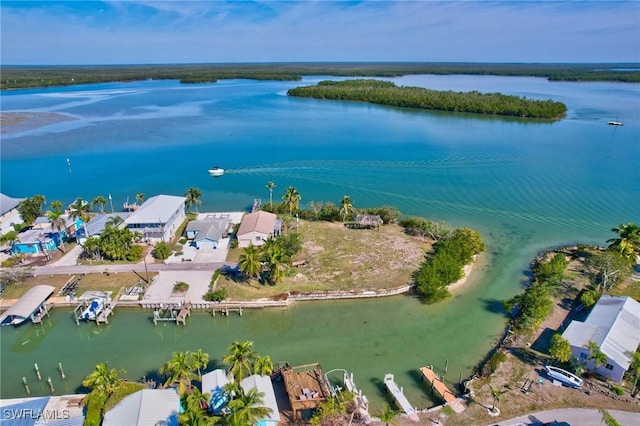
pixel 79 210
pixel 103 381
pixel 241 358
pixel 113 222
pixel 247 408
pixel 346 207
pixel 56 206
pixel 291 199
pixel 201 360
pixel 271 185
pixel 99 201
pixel 195 406
pixel 599 358
pixel 180 370
pixel 193 198
pixel 140 198
pixel 635 369
pixel 263 366
pixel 249 261
pixel 495 393
pixel 628 241
pixel 59 224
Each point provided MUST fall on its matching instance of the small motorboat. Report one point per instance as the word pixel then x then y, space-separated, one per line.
pixel 216 171
pixel 94 309
pixel 614 123
pixel 563 376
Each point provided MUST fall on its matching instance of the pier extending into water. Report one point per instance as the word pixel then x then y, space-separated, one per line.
pixel 441 389
pixel 177 313
pixel 401 400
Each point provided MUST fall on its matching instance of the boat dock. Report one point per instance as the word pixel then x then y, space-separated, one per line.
pixel 256 205
pixel 30 305
pixel 401 400
pixel 177 313
pixel 94 306
pixel 441 389
pixel 42 312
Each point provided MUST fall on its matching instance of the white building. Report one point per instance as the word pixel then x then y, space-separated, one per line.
pixel 263 385
pixel 9 214
pixel 258 227
pixel 158 218
pixel 614 325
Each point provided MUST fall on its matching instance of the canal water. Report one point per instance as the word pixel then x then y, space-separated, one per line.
pixel 524 185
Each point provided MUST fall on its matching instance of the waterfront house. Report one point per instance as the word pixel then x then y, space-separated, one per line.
pixel 145 407
pixel 213 383
pixel 34 241
pixel 98 223
pixel 206 233
pixel 9 214
pixel 614 325
pixel 263 385
pixel 158 218
pixel 70 225
pixel 258 227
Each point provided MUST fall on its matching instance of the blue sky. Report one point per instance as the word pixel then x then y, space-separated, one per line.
pixel 125 32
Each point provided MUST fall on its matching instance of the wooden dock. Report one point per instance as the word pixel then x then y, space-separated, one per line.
pixel 441 389
pixel 401 400
pixel 43 311
pixel 103 317
pixel 177 313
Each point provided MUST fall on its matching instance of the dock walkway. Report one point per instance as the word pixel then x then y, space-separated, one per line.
pixel 399 397
pixel 441 389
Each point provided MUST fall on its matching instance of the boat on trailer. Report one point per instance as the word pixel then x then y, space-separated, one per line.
pixel 563 376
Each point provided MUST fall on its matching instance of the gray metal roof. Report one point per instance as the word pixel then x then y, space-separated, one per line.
pixel 214 379
pixel 28 303
pixel 22 412
pixel 7 203
pixel 97 223
pixel 210 228
pixel 263 384
pixel 614 324
pixel 158 209
pixel 148 407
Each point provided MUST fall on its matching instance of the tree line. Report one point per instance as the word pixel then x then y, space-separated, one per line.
pixel 387 93
pixel 19 77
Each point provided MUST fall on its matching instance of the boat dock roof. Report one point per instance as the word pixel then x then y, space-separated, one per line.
pixel 27 305
pixel 398 395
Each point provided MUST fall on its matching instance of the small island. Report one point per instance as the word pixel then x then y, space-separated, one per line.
pixel 387 93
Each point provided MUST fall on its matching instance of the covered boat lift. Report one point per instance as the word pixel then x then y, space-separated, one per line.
pixel 31 305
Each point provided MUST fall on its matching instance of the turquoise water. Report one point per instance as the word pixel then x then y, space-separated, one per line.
pixel 524 185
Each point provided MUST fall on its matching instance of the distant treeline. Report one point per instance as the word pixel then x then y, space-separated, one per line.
pixel 19 77
pixel 387 93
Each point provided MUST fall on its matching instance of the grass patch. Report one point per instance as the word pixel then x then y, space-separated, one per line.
pixel 341 259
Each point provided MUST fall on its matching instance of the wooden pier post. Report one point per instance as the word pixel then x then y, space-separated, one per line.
pixel 26 386
pixel 61 370
pixel 51 385
pixel 37 371
pixel 446 365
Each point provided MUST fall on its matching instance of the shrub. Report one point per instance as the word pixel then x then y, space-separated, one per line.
pixel 216 296
pixel 494 362
pixel 214 277
pixel 135 253
pixel 161 250
pixel 180 286
pixel 182 241
pixel 10 262
pixel 618 390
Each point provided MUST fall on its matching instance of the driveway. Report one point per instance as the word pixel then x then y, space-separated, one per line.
pixel 161 288
pixel 571 416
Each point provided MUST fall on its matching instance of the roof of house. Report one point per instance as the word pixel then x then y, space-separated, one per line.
pixel 24 407
pixel 214 379
pixel 97 223
pixel 145 407
pixel 29 302
pixel 68 220
pixel 34 236
pixel 209 228
pixel 263 384
pixel 260 221
pixel 7 203
pixel 158 209
pixel 614 324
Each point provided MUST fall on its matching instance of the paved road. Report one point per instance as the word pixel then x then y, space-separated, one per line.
pixel 140 268
pixel 572 417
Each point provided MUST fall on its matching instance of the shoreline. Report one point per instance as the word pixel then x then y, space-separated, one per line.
pixel 16 122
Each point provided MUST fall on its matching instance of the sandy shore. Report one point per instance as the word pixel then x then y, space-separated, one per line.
pixel 14 122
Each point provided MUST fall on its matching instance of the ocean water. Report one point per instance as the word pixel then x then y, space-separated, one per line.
pixel 524 185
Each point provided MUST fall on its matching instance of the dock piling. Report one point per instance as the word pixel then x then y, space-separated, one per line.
pixel 26 386
pixel 61 370
pixel 35 365
pixel 50 385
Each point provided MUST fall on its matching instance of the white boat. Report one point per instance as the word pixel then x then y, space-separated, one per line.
pixel 94 309
pixel 563 376
pixel 216 171
pixel 614 123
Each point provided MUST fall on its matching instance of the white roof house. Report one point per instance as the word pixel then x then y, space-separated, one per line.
pixel 614 325
pixel 213 383
pixel 158 217
pixel 9 214
pixel 257 227
pixel 148 407
pixel 263 384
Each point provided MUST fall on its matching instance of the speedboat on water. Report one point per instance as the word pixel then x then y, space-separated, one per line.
pixel 216 171
pixel 614 123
